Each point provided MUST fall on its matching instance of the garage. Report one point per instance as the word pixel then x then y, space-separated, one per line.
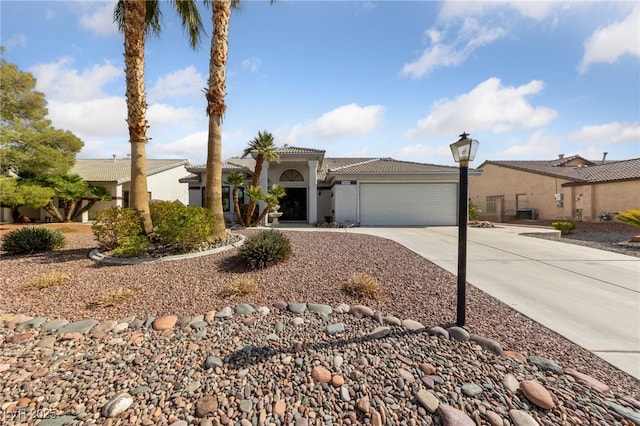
pixel 408 204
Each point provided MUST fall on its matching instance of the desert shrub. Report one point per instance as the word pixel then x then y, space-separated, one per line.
pixel 114 225
pixel 264 249
pixel 474 212
pixel 48 279
pixel 131 246
pixel 113 297
pixel 32 240
pixel 239 287
pixel 362 286
pixel 181 226
pixel 564 227
pixel 630 217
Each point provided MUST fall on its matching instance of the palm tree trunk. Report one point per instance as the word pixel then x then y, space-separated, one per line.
pixel 53 211
pixel 257 171
pixel 134 39
pixel 215 110
pixel 236 206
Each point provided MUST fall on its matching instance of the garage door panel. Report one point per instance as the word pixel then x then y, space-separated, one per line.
pixel 408 204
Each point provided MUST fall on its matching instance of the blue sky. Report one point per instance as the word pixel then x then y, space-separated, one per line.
pixel 529 80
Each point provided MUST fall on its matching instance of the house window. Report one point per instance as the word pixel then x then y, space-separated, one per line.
pixel 125 198
pixel 522 202
pixel 226 197
pixel 226 205
pixel 492 203
pixel 291 175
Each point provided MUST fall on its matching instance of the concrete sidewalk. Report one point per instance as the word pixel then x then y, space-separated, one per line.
pixel 589 296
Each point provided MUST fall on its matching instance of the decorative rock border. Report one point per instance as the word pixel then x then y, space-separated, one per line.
pixel 98 256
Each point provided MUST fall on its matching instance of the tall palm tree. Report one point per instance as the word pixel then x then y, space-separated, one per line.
pixel 264 149
pixel 215 93
pixel 237 179
pixel 135 19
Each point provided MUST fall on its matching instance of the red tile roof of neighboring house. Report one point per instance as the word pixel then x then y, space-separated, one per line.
pixel 582 171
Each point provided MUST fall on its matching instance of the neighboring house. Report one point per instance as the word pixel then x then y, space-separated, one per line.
pixel 567 188
pixel 163 181
pixel 368 191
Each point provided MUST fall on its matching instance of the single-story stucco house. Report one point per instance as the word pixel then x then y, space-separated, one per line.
pixel 566 188
pixel 367 191
pixel 114 174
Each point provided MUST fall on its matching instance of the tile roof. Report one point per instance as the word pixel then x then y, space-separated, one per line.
pixel 611 171
pixel 298 150
pixel 582 171
pixel 390 166
pixel 119 170
pixel 231 165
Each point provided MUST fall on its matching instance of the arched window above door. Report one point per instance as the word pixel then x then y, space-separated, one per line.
pixel 291 175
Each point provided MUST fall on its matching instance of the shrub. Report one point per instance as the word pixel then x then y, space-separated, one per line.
pixel 32 240
pixel 113 297
pixel 48 279
pixel 264 248
pixel 181 226
pixel 239 287
pixel 564 227
pixel 630 217
pixel 114 225
pixel 363 286
pixel 132 246
pixel 474 213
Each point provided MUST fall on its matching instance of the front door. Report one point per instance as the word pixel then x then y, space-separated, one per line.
pixel 294 205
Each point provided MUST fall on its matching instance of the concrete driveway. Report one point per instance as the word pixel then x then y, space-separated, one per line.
pixel 591 297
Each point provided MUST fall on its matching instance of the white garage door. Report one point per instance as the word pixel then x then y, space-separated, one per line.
pixel 408 204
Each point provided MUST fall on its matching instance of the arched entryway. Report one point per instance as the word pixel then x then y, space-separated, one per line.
pixel 293 205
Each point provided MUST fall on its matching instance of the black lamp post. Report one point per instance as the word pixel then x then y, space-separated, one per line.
pixel 464 150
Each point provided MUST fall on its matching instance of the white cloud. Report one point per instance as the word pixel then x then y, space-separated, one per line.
pixel 162 116
pixel 607 44
pixel 16 40
pixel 538 145
pixel 61 82
pixel 344 121
pixel 99 118
pixel 191 146
pixel 440 54
pixel 422 152
pixel 610 133
pixel 252 64
pixel 490 105
pixel 182 82
pixel 99 19
pixel 537 10
pixel 363 151
pixel 49 14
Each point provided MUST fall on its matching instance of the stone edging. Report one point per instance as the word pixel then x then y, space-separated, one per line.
pixel 98 256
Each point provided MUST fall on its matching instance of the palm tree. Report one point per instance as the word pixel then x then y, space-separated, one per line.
pixel 70 188
pixel 237 179
pixel 135 19
pixel 264 149
pixel 271 198
pixel 215 93
pixel 92 196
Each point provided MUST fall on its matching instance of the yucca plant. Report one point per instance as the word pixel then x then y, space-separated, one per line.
pixel 630 217
pixel 32 240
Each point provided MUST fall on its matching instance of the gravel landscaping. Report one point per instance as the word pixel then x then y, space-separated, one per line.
pixel 413 288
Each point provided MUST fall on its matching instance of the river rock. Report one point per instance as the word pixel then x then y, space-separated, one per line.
pixel 117 405
pixel 537 394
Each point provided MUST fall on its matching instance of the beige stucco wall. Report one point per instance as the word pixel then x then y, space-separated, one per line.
pixel 610 197
pixel 540 192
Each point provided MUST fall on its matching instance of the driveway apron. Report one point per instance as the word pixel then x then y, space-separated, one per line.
pixel 589 296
